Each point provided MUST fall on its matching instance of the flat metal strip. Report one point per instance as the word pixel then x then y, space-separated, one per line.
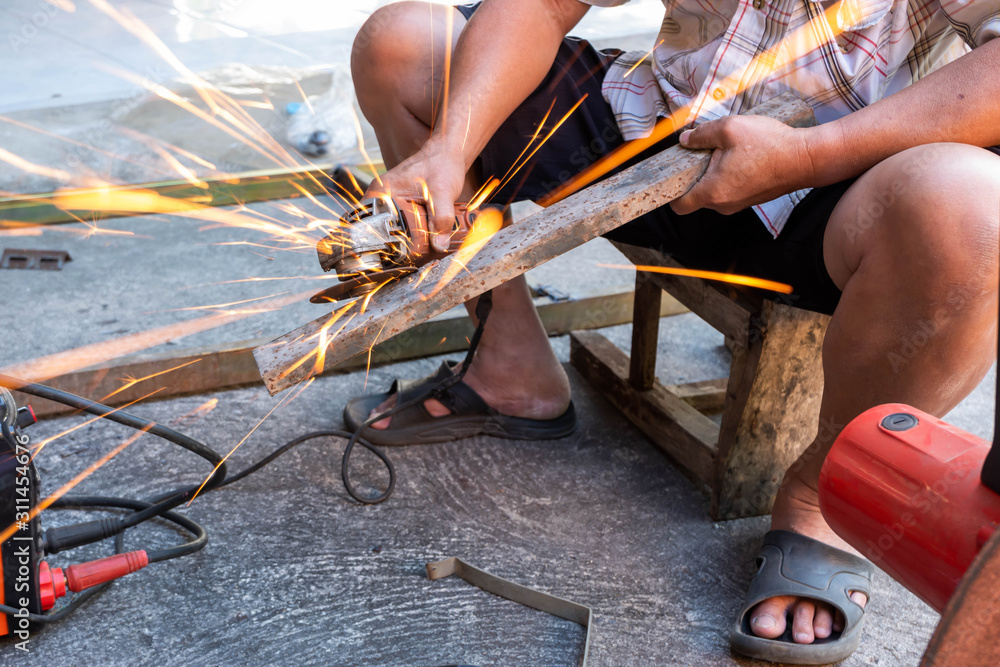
pixel 529 597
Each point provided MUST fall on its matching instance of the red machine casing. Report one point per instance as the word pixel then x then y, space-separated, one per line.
pixel 906 493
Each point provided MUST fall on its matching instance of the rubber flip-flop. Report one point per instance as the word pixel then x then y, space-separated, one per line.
pixel 469 416
pixel 792 564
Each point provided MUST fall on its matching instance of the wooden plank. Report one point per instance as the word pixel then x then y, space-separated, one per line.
pixel 242 188
pixel 705 396
pixel 212 368
pixel 645 330
pixel 771 414
pixel 507 254
pixel 727 313
pixel 685 434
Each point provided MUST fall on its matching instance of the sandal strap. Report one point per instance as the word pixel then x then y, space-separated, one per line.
pixel 796 565
pixel 407 390
pixel 459 398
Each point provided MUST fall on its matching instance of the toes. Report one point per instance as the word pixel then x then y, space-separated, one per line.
pixel 823 622
pixel 382 424
pixel 434 407
pixel 802 622
pixel 768 618
pixel 838 621
pixel 810 621
pixel 861 599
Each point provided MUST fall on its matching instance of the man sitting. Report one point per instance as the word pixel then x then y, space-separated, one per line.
pixel 884 216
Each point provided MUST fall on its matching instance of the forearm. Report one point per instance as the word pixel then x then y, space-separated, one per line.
pixel 503 54
pixel 958 103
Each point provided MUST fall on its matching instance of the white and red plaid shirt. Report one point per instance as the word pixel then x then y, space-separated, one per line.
pixel 715 58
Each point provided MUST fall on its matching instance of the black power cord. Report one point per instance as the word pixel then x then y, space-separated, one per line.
pixel 161 506
pixel 138 423
pixel 87 502
pixel 483 308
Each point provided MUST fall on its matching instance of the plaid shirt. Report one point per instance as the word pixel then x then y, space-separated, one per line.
pixel 715 58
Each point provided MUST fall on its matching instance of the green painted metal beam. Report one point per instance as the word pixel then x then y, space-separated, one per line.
pixel 244 188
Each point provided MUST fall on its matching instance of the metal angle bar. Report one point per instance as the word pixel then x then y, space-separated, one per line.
pixel 529 597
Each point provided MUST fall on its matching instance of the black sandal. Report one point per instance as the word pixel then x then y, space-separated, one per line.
pixel 469 416
pixel 792 564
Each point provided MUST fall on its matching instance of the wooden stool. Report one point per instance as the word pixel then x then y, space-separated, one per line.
pixel 770 402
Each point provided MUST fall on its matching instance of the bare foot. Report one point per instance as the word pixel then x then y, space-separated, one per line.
pixel 797 509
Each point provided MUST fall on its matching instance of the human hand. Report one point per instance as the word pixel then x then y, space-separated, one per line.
pixel 436 174
pixel 755 160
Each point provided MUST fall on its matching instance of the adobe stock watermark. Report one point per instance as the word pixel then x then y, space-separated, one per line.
pixel 883 200
pixel 77 157
pixel 22 539
pixel 34 23
pixel 926 329
pixel 922 503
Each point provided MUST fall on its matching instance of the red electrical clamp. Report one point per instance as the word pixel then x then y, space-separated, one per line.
pixel 81 576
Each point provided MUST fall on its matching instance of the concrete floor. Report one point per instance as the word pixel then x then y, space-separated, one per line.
pixel 295 572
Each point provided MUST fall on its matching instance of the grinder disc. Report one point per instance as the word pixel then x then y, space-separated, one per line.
pixel 342 291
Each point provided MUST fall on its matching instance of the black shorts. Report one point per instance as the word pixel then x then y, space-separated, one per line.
pixel 737 243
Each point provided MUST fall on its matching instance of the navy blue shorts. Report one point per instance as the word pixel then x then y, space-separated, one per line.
pixel 737 243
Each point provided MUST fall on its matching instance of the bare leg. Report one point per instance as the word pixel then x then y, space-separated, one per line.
pixel 913 246
pixel 397 64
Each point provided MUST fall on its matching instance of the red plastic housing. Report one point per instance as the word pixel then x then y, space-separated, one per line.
pixel 84 575
pixel 910 500
pixel 52 581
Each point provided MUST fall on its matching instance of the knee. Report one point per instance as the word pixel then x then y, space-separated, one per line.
pixel 387 45
pixel 940 207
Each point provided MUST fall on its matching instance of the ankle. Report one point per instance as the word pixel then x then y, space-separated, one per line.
pixel 526 394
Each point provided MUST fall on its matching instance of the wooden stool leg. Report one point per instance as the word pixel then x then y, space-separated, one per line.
pixel 645 330
pixel 772 408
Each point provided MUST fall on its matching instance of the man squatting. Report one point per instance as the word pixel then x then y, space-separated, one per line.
pixel 881 215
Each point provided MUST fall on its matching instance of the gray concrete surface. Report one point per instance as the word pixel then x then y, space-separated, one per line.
pixel 52 57
pixel 297 574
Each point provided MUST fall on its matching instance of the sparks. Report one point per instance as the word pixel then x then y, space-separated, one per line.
pixel 732 278
pixel 805 40
pixel 131 382
pixel 642 60
pixel 284 401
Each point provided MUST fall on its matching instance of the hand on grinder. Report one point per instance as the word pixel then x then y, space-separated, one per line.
pixel 436 175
